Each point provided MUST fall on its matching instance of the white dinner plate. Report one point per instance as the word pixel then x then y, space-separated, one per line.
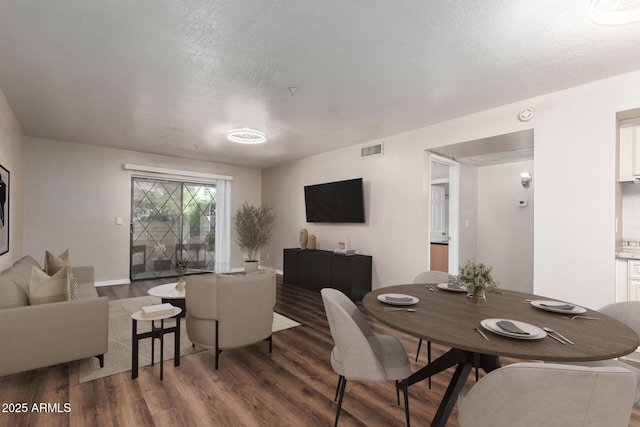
pixel 398 299
pixel 453 288
pixel 535 333
pixel 558 307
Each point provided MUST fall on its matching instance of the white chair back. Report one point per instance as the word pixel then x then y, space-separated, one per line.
pixel 627 312
pixel 242 304
pixel 528 394
pixel 359 361
pixel 431 277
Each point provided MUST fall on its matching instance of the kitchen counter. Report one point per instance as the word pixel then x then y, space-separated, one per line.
pixel 628 254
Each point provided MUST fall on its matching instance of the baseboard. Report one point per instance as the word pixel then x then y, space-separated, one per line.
pixel 241 270
pixel 113 282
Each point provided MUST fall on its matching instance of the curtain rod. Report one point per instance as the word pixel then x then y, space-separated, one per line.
pixel 177 172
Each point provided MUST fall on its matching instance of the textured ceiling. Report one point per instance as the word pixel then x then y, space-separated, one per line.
pixel 171 77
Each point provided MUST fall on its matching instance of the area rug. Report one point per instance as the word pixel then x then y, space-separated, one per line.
pixel 118 357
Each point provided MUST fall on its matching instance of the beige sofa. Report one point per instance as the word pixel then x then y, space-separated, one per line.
pixel 228 311
pixel 35 336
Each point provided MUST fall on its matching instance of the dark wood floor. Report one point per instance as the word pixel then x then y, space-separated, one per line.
pixel 293 386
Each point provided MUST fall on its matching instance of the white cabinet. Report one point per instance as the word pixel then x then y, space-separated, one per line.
pixel 621 279
pixel 627 279
pixel 629 153
pixel 633 280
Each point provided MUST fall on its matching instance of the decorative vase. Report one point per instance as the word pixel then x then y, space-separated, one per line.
pixel 304 238
pixel 477 297
pixel 311 244
pixel 181 284
pixel 250 266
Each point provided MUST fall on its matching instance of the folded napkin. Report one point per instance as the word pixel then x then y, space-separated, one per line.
pixel 510 327
pixel 398 299
pixel 559 306
pixel 454 286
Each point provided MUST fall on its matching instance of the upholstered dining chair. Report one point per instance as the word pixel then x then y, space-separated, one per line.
pixel 627 312
pixel 533 394
pixel 358 354
pixel 429 278
pixel 230 310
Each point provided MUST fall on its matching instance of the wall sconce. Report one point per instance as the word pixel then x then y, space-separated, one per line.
pixel 525 177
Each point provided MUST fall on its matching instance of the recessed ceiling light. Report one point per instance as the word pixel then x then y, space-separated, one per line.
pixel 246 136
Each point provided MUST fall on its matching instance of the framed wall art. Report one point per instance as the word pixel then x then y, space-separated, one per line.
pixel 4 210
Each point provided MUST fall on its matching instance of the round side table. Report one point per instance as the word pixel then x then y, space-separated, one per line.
pixel 169 293
pixel 156 332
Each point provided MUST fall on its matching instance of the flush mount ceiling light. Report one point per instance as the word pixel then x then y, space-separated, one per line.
pixel 246 136
pixel 614 12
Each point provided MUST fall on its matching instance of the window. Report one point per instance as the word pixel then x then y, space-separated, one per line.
pixel 177 220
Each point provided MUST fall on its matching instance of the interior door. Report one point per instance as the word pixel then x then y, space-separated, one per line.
pixel 444 176
pixel 438 214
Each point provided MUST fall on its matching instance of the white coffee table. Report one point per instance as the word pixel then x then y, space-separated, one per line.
pixel 169 293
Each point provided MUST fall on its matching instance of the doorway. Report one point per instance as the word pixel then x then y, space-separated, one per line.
pixel 171 221
pixel 443 213
pixel 497 212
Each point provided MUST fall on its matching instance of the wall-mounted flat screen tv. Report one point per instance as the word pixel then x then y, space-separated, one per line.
pixel 341 201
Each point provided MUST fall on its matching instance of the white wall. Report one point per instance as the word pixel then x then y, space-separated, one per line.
pixel 574 234
pixel 12 159
pixel 391 192
pixel 74 192
pixel 505 230
pixel 468 242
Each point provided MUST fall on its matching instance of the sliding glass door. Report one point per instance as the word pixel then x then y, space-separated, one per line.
pixel 170 221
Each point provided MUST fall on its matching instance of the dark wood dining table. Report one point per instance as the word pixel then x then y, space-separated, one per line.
pixel 446 318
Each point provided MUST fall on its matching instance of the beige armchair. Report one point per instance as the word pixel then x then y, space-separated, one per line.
pixel 228 311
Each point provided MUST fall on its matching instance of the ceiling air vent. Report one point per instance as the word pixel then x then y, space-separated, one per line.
pixel 372 150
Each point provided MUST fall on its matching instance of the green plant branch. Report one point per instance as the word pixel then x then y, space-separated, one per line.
pixel 253 227
pixel 181 267
pixel 475 276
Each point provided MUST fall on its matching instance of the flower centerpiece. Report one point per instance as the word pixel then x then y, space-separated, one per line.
pixel 181 269
pixel 476 278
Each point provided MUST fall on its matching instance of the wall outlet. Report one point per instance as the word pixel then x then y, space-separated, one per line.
pixel 521 202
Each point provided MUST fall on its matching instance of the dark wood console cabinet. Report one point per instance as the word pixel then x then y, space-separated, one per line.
pixel 314 270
